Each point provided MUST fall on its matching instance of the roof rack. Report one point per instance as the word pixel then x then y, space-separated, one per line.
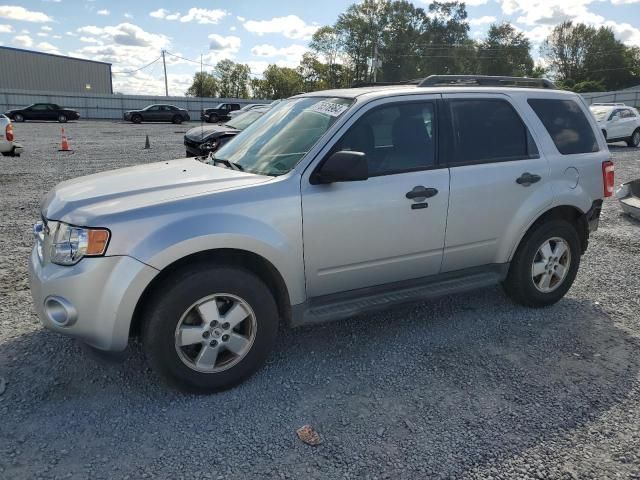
pixel 386 84
pixel 607 104
pixel 484 81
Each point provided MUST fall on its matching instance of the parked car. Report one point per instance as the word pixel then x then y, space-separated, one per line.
pixel 246 108
pixel 200 141
pixel 618 122
pixel 332 204
pixel 158 113
pixel 8 147
pixel 219 112
pixel 42 111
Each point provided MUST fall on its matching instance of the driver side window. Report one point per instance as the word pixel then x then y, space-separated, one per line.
pixel 395 138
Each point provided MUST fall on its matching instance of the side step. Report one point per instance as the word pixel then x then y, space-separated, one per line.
pixel 349 304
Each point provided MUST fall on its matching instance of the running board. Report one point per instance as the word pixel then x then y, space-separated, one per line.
pixel 348 304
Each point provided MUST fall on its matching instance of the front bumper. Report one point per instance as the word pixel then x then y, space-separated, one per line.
pixel 101 293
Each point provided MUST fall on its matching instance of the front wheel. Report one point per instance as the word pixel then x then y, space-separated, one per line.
pixel 545 264
pixel 634 140
pixel 18 117
pixel 177 119
pixel 136 119
pixel 209 327
pixel 62 118
pixel 213 118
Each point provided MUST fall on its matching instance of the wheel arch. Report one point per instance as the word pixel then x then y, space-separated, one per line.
pixel 570 213
pixel 251 261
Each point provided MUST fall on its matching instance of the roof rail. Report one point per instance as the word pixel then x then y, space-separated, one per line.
pixel 484 81
pixel 609 104
pixel 385 84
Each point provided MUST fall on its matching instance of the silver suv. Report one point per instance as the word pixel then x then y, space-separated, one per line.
pixel 333 204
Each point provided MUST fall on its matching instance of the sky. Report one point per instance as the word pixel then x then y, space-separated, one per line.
pixel 131 34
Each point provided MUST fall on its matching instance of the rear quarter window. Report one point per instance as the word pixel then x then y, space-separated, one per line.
pixel 567 125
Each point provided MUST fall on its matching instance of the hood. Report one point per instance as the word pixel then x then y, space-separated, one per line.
pixel 81 200
pixel 199 134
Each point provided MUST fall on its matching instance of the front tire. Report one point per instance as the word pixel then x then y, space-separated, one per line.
pixel 209 327
pixel 62 118
pixel 634 140
pixel 213 118
pixel 545 264
pixel 18 117
pixel 136 119
pixel 177 119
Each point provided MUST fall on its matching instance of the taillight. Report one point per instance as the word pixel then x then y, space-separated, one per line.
pixel 8 132
pixel 608 177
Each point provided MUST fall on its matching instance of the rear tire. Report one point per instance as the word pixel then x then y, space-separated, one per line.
pixel 634 140
pixel 179 331
pixel 536 278
pixel 136 119
pixel 18 117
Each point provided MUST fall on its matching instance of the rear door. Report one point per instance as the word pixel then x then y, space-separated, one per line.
pixel 497 175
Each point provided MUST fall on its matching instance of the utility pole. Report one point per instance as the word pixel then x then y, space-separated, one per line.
pixel 375 60
pixel 166 85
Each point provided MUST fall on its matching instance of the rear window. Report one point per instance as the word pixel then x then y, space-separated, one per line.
pixel 489 130
pixel 567 125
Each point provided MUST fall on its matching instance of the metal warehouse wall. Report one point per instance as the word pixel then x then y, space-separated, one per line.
pixel 630 96
pixel 108 106
pixel 29 70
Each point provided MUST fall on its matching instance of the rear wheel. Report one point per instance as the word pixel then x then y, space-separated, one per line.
pixel 18 117
pixel 136 119
pixel 62 118
pixel 209 327
pixel 634 140
pixel 545 264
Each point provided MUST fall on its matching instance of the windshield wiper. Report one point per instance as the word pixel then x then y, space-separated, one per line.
pixel 228 163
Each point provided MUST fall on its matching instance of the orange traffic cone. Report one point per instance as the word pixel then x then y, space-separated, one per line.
pixel 64 145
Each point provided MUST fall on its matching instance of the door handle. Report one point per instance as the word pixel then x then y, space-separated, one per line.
pixel 421 192
pixel 527 179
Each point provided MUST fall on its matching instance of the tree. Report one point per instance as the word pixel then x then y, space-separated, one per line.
pixel 505 52
pixel 579 53
pixel 233 79
pixel 327 42
pixel 204 85
pixel 278 82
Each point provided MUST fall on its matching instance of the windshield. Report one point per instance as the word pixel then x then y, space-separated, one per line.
pixel 275 143
pixel 243 121
pixel 600 113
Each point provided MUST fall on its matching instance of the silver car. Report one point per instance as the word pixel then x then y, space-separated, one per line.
pixel 331 205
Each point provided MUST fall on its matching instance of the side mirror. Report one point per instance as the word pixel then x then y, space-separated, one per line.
pixel 342 166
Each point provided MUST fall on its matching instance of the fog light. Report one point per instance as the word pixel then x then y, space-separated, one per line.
pixel 60 311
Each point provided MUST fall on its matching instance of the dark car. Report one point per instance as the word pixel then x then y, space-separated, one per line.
pixel 219 112
pixel 157 113
pixel 42 111
pixel 199 141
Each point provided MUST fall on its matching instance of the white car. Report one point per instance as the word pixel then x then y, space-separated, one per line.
pixel 618 122
pixel 8 147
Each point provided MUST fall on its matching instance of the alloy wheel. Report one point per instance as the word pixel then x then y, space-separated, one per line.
pixel 551 264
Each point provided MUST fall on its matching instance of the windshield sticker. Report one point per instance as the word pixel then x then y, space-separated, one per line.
pixel 328 108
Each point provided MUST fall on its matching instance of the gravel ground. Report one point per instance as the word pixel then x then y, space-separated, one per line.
pixel 462 387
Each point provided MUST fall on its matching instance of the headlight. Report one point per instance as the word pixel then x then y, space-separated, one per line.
pixel 70 244
pixel 208 145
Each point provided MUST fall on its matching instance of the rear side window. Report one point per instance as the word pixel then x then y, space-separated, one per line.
pixel 567 125
pixel 489 130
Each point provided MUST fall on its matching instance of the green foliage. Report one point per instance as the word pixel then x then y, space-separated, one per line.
pixel 278 82
pixel 204 85
pixel 589 86
pixel 505 51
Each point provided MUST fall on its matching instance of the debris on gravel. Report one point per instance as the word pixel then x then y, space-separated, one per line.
pixel 309 436
pixel 469 386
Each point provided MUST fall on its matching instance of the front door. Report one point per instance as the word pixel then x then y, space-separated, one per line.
pixel 497 176
pixel 381 230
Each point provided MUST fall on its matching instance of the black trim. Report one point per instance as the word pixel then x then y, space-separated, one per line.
pixel 485 81
pixel 347 304
pixel 593 215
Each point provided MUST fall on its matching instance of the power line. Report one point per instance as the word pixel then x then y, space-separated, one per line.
pixel 137 69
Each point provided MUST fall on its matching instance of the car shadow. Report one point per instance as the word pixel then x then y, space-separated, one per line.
pixel 459 382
